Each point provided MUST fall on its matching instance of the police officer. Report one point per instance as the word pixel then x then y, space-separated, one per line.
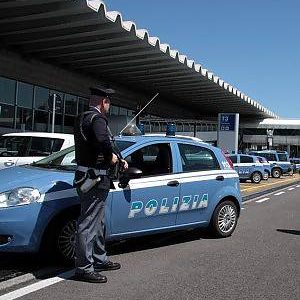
pixel 94 155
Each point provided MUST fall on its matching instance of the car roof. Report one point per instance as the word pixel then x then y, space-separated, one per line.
pixel 42 134
pixel 161 137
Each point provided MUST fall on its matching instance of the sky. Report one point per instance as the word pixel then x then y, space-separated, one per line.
pixel 254 45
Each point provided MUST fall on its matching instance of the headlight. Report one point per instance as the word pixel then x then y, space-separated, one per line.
pixel 19 196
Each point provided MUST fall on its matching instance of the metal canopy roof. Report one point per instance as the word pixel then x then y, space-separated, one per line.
pixel 84 37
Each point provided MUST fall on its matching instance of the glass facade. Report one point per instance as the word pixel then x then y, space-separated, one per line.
pixel 24 106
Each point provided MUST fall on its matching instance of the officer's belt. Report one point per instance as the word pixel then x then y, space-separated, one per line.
pixel 97 171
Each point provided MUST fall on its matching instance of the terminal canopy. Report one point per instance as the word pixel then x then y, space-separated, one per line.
pixel 82 36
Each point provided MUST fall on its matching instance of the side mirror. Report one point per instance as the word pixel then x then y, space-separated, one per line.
pixel 130 173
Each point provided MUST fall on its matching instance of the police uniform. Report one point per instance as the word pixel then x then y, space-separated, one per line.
pixel 93 154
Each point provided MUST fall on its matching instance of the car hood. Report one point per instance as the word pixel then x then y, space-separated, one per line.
pixel 28 176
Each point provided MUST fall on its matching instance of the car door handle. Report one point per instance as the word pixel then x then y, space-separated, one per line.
pixel 173 183
pixel 220 178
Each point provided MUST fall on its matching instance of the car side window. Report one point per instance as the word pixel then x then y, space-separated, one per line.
pixel 13 146
pixel 233 159
pixel 153 160
pixel 246 159
pixel 197 158
pixel 41 146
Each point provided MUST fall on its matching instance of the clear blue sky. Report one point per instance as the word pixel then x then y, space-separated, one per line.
pixel 253 45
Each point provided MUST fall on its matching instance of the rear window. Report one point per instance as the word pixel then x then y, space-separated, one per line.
pixel 282 157
pixel 196 158
pixel 246 159
pixel 233 158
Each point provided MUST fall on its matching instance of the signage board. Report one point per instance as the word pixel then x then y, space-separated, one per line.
pixel 227 122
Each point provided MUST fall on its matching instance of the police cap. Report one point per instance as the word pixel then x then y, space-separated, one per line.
pixel 101 92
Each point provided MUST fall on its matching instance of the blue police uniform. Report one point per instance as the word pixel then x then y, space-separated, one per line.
pixel 93 154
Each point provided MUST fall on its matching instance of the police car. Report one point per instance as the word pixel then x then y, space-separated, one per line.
pixel 172 183
pixel 248 167
pixel 279 160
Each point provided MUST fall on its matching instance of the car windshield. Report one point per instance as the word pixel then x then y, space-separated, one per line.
pixel 65 159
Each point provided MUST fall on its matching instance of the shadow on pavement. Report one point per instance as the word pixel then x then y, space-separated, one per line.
pixel 16 264
pixel 156 241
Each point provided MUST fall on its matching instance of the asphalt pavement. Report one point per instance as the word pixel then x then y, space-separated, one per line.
pixel 259 261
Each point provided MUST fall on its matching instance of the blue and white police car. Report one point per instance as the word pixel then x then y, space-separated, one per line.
pixel 248 167
pixel 174 183
pixel 279 160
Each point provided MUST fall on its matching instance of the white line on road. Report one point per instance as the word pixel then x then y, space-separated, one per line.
pixel 258 201
pixel 290 189
pixel 297 185
pixel 37 286
pixel 280 193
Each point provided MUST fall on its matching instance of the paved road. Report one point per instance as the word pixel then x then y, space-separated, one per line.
pixel 260 261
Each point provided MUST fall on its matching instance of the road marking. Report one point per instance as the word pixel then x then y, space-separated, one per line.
pixel 258 201
pixel 267 184
pixel 37 286
pixel 243 208
pixel 297 185
pixel 280 193
pixel 290 189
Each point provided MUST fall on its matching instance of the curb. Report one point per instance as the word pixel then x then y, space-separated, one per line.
pixel 269 191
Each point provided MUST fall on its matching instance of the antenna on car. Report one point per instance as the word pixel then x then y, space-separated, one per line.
pixel 130 122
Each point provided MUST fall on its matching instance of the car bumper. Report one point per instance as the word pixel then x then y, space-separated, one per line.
pixel 21 227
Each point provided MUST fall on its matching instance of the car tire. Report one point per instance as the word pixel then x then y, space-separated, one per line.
pixel 276 173
pixel 60 240
pixel 256 177
pixel 224 219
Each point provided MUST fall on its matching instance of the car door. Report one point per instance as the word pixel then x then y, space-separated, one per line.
pixel 246 166
pixel 148 202
pixel 201 178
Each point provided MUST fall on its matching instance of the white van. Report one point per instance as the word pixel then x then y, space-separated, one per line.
pixel 26 147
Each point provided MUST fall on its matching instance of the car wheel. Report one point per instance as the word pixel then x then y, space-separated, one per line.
pixel 256 177
pixel 224 219
pixel 59 240
pixel 65 240
pixel 276 173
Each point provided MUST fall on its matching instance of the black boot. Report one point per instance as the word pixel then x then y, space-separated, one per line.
pixel 107 266
pixel 94 277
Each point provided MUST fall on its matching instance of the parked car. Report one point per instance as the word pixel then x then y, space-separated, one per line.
pixel 248 167
pixel 266 164
pixel 181 183
pixel 279 160
pixel 26 147
pixel 295 161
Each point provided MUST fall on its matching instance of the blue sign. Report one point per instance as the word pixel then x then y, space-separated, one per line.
pixel 227 122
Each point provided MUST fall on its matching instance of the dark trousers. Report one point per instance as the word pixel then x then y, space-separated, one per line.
pixel 90 239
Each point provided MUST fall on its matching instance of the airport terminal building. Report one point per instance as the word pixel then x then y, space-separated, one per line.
pixel 63 47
